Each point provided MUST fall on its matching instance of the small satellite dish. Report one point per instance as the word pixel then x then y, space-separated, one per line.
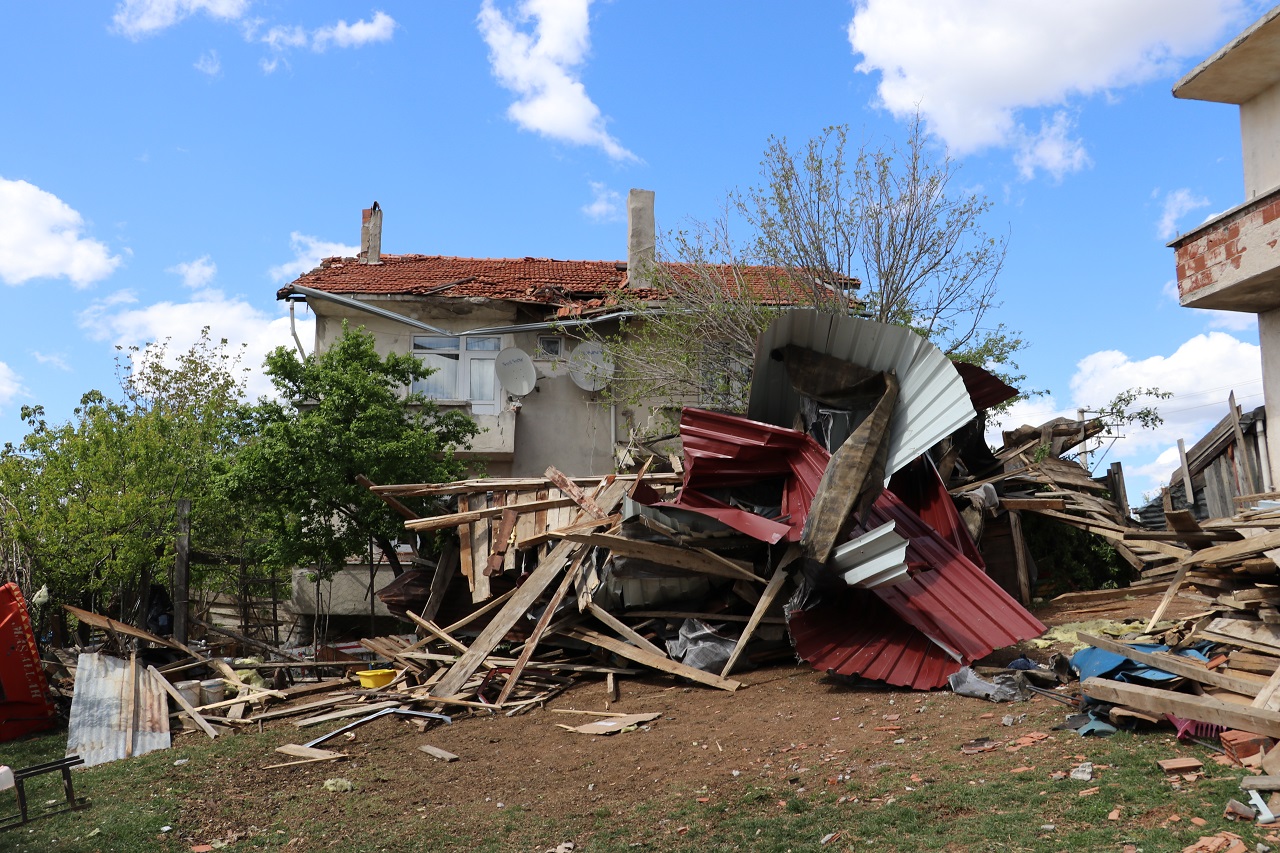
pixel 590 367
pixel 516 371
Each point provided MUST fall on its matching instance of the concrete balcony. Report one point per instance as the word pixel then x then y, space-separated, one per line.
pixel 1231 262
pixel 497 438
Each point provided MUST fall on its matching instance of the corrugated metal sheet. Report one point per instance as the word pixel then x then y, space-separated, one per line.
pixel 932 400
pixel 99 726
pixel 724 451
pixel 876 558
pixel 951 604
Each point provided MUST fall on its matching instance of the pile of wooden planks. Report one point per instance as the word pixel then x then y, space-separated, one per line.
pixel 565 541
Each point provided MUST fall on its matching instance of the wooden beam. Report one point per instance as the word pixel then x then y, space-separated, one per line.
pixel 523 598
pixel 1202 708
pixel 443 522
pixel 581 527
pixel 1174 665
pixel 540 628
pixel 651 660
pixel 1169 595
pixel 571 489
pixel 446 568
pixel 1020 557
pixel 623 629
pixel 397 507
pixel 1034 504
pixel 767 597
pixel 667 555
pixel 436 631
pixel 183 703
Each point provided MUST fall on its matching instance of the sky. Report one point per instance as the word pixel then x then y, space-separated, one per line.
pixel 167 165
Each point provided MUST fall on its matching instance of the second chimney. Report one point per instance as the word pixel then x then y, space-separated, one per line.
pixel 641 237
pixel 371 235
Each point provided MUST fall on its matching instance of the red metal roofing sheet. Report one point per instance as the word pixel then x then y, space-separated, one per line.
pixel 24 695
pixel 985 388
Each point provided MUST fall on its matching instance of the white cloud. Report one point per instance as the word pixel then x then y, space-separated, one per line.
pixel 10 385
pixel 40 237
pixel 138 18
pixel 971 68
pixel 208 63
pixel 1199 374
pixel 53 359
pixel 308 251
pixel 541 68
pixel 358 34
pixel 229 317
pixel 1051 150
pixel 1177 204
pixel 606 204
pixel 1233 321
pixel 281 37
pixel 197 273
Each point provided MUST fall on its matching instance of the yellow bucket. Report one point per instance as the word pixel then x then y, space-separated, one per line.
pixel 371 679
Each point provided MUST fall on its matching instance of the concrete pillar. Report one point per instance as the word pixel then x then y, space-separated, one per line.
pixel 641 237
pixel 1269 340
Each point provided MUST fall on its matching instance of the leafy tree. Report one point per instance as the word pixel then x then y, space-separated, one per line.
pixel 883 232
pixel 87 507
pixel 341 413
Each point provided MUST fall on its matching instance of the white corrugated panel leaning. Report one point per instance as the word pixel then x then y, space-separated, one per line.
pixel 114 715
pixel 932 400
pixel 877 558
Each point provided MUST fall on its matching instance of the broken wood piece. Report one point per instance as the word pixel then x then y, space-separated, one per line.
pixel 457 519
pixel 522 598
pixel 559 533
pixel 1180 765
pixel 651 660
pixel 623 629
pixel 1202 708
pixel 446 568
pixel 540 628
pixel 613 725
pixel 498 548
pixel 436 631
pixel 191 712
pixel 437 752
pixel 297 750
pixel 1260 783
pixel 571 489
pixel 1173 665
pixel 693 560
pixel 1169 595
pixel 337 756
pixel 767 597
pixel 346 712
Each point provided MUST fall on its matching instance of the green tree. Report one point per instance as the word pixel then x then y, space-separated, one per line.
pixel 341 413
pixel 88 506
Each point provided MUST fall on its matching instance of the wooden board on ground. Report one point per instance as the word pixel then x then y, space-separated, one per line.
pixel 1202 708
pixel 1173 665
pixel 437 752
pixel 357 711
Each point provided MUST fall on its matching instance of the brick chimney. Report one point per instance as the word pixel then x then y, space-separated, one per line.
pixel 641 237
pixel 371 235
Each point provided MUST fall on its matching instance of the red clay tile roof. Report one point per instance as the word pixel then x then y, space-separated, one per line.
pixel 581 284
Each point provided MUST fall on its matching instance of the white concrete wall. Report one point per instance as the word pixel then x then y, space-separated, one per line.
pixel 1260 142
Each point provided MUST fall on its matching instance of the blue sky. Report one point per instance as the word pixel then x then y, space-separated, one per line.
pixel 168 164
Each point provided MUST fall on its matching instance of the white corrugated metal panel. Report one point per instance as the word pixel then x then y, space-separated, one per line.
pixel 932 400
pixel 877 558
pixel 99 726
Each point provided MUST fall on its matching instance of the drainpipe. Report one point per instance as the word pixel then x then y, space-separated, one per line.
pixel 1264 457
pixel 294 330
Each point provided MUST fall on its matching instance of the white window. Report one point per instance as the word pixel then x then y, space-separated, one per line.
pixel 550 347
pixel 464 370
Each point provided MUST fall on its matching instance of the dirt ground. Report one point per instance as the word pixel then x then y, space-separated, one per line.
pixel 788 727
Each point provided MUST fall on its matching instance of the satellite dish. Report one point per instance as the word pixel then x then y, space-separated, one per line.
pixel 516 371
pixel 590 367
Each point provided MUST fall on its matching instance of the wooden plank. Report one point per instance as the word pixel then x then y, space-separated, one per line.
pixel 1248 478
pixel 1266 697
pixel 466 564
pixel 540 628
pixel 1260 783
pixel 357 711
pixel 1020 557
pixel 523 598
pixel 436 631
pixel 1247 629
pixel 183 703
pixel 651 660
pixel 1097 596
pixel 481 591
pixel 560 533
pixel 502 541
pixel 297 750
pixel 1169 594
pixel 1173 665
pixel 299 710
pixel 335 757
pixel 467 516
pixel 399 508
pixel 713 617
pixel 492 604
pixel 623 629
pixel 131 706
pixel 767 597
pixel 571 489
pixel 1237 551
pixel 446 568
pixel 437 752
pixel 667 555
pixel 1034 504
pixel 1202 708
pixel 494 484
